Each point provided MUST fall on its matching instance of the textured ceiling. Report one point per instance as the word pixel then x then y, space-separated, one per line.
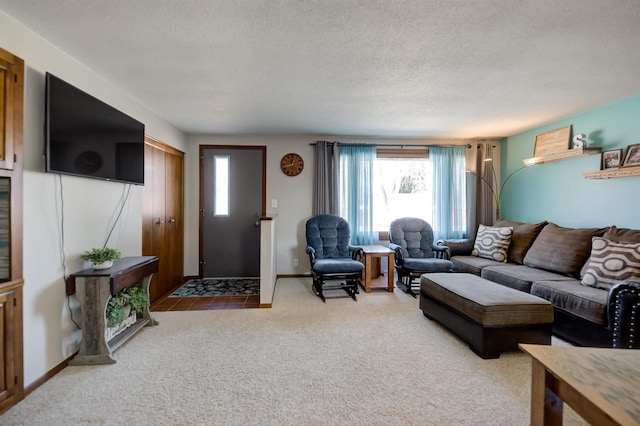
pixel 403 68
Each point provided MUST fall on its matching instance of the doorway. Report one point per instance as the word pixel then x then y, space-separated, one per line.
pixel 232 200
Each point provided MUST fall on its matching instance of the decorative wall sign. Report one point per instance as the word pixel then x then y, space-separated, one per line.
pixel 553 142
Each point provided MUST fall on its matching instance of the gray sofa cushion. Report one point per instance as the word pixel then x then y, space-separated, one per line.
pixel 571 296
pixel 622 235
pixel 472 264
pixel 519 277
pixel 562 250
pixel 523 236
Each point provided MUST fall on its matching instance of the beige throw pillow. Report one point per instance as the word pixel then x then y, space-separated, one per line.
pixel 492 243
pixel 610 263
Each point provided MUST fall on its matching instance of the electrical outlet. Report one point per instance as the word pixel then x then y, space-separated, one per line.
pixel 295 262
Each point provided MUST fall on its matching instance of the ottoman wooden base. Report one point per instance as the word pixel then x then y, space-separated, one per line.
pixel 486 341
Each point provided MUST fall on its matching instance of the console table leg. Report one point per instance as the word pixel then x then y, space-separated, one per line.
pixel 94 348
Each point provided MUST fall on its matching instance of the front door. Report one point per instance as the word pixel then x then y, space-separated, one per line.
pixel 232 200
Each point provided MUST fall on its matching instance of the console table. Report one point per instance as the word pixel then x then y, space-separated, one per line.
pixel 94 288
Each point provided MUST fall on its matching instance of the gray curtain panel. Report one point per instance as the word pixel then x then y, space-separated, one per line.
pixel 325 185
pixel 480 181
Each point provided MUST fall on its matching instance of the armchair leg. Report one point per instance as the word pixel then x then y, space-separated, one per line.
pixel 317 289
pixel 351 288
pixel 404 283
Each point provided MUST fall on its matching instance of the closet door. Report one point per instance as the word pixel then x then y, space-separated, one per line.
pixel 162 224
pixel 174 202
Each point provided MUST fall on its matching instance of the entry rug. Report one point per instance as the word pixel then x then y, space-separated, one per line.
pixel 209 287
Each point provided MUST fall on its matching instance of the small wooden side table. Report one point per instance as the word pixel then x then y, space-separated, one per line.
pixel 600 384
pixel 377 251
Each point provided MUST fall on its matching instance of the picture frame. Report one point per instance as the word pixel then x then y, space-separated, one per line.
pixel 632 156
pixel 611 159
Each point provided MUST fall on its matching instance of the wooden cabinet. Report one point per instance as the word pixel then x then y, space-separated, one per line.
pixel 11 377
pixel 163 217
pixel 11 334
pixel 11 86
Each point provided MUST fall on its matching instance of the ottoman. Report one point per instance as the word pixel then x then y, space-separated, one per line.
pixel 489 317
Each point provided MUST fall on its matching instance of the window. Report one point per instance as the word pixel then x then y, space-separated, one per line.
pixel 402 186
pixel 221 185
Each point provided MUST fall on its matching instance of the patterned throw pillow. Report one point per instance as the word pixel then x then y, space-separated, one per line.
pixel 492 243
pixel 610 263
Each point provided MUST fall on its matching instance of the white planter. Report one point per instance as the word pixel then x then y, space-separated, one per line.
pixel 104 265
pixel 112 332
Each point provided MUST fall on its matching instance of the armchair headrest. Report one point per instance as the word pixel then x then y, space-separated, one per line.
pixel 329 235
pixel 414 235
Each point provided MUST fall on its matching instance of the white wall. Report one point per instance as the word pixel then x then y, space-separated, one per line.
pixel 89 205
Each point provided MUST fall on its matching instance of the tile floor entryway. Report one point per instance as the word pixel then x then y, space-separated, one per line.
pixel 205 303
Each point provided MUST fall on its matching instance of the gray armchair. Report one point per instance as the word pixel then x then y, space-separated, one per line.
pixel 331 256
pixel 411 239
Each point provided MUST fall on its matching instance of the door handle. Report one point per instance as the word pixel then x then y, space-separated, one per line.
pixel 172 220
pixel 159 222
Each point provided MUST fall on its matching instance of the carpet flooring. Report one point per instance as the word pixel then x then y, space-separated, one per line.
pixel 209 287
pixel 377 361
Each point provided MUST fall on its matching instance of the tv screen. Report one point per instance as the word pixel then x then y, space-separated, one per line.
pixel 86 137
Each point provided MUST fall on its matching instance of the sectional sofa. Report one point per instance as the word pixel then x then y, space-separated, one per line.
pixel 573 268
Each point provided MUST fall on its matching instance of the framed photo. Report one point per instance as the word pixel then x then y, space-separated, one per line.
pixel 632 157
pixel 611 159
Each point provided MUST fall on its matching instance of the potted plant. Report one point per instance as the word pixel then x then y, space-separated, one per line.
pixel 129 299
pixel 101 258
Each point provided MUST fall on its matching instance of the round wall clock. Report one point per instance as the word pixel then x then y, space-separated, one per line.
pixel 291 164
pixel 88 162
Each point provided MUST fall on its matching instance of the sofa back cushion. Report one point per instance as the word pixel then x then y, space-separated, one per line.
pixel 617 235
pixel 523 236
pixel 562 250
pixel 622 235
pixel 610 263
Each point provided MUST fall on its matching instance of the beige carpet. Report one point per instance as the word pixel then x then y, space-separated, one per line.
pixel 377 361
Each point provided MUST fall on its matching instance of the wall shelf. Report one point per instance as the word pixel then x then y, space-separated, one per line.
pixel 571 153
pixel 619 172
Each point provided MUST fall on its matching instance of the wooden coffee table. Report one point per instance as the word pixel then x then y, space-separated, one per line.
pixel 599 384
pixel 377 251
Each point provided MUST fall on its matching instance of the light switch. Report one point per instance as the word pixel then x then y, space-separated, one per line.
pixel 274 203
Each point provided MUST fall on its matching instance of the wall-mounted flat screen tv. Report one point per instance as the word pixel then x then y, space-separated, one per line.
pixel 86 137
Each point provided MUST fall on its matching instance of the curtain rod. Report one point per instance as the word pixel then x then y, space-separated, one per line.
pixel 392 145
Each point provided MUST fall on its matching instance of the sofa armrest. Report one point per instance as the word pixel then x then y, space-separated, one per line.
pixel 623 306
pixel 462 247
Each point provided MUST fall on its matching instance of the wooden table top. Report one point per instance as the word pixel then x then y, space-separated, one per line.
pixel 375 249
pixel 609 378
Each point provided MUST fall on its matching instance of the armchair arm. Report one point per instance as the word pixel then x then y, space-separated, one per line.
pixel 312 254
pixel 441 251
pixel 357 253
pixel 623 304
pixel 399 259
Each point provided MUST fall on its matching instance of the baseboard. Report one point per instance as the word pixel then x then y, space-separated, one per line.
pixel 307 275
pixel 43 379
